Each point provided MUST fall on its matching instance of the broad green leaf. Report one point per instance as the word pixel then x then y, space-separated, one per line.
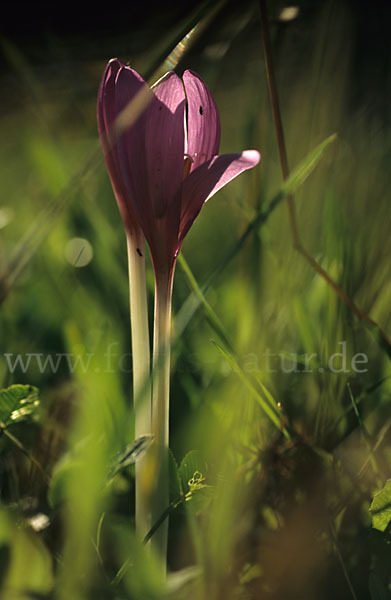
pixel 381 508
pixel 17 403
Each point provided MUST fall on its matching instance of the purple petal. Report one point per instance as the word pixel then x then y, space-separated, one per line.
pixel 165 141
pixel 129 87
pixel 106 95
pixel 111 102
pixel 207 179
pixel 203 122
pixel 151 158
pixel 106 117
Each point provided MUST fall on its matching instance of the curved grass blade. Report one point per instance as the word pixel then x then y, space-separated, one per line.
pixel 267 404
pixel 131 454
pixel 306 166
pixel 211 316
pixel 176 49
pixel 292 184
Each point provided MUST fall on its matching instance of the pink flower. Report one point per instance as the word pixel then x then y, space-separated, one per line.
pixel 165 165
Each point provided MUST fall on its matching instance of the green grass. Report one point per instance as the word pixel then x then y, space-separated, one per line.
pixel 292 460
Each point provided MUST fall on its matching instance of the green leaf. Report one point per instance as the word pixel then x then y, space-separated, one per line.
pixel 200 496
pixel 381 508
pixel 193 475
pixel 249 573
pixel 18 403
pixel 191 463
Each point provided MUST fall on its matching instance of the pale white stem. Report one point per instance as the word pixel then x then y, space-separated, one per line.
pixel 160 410
pixel 141 371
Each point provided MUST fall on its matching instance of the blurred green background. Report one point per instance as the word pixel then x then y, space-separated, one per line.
pixel 282 516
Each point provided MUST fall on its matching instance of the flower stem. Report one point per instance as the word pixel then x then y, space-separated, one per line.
pixel 141 370
pixel 160 410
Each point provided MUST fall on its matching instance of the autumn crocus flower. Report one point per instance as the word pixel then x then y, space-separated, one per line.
pixel 161 146
pixel 166 165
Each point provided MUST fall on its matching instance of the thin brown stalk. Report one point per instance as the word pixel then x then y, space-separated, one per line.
pixel 297 243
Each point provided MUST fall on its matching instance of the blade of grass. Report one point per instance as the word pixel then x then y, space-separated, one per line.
pixel 4 430
pixel 360 398
pixel 367 437
pixel 268 405
pixel 184 40
pixel 297 178
pixel 382 338
pixel 291 185
pixel 341 560
pixel 211 316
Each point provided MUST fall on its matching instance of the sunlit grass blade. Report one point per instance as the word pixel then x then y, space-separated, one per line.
pixel 211 316
pixel 298 175
pixel 220 330
pixel 268 405
pixel 184 39
pixel 290 186
pixel 363 395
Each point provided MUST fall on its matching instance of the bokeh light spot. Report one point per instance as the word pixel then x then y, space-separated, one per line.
pixel 79 252
pixel 289 13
